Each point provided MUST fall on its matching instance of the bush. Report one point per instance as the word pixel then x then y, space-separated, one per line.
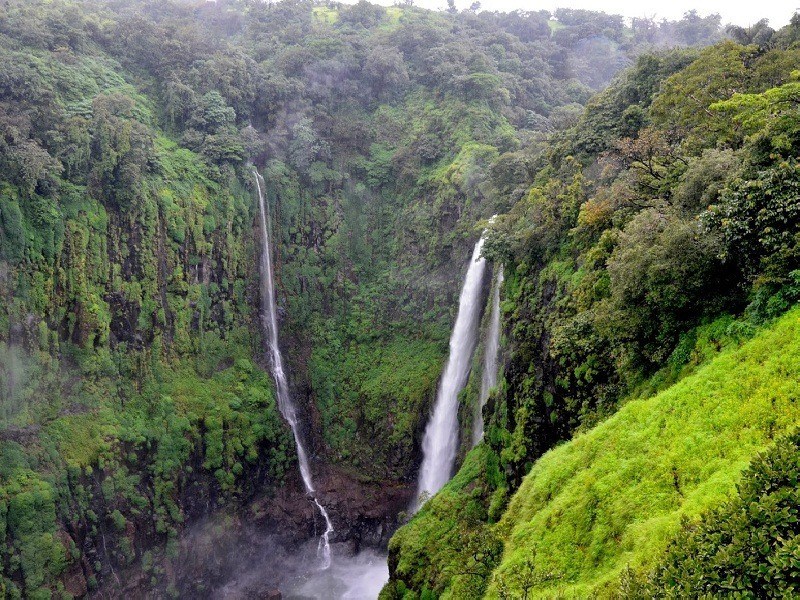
pixel 749 547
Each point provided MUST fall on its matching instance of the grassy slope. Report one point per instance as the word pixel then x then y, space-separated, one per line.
pixel 614 496
pixel 431 549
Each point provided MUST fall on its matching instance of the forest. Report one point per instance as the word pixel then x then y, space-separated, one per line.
pixel 635 181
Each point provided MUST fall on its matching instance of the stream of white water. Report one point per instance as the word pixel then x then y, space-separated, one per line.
pixel 269 322
pixel 440 443
pixel 491 349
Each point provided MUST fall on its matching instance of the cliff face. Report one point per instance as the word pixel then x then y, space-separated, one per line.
pixel 135 398
pixel 132 400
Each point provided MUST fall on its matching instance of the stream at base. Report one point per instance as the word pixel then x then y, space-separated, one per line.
pixel 358 577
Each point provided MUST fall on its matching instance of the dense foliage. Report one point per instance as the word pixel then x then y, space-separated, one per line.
pixel 668 207
pixel 126 261
pixel 393 131
pixel 635 232
pixel 132 387
pixel 383 135
pixel 747 546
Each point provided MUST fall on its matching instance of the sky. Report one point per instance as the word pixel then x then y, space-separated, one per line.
pixel 739 12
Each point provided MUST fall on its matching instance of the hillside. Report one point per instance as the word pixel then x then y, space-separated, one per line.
pixel 612 498
pixel 644 178
pixel 659 229
pixel 376 131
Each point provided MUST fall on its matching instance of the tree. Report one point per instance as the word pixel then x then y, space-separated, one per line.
pixel 682 106
pixel 305 146
pixel 704 179
pixel 760 33
pixel 665 273
pixel 650 157
pixel 694 29
pixel 386 71
pixel 121 147
pixel 212 114
pixel 524 578
pixel 758 217
pixel 363 13
pixel 769 120
pixel 231 74
pixel 23 159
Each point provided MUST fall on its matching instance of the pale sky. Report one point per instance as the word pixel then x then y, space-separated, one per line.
pixel 739 12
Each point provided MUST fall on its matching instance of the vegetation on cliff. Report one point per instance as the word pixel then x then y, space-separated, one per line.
pixel 133 394
pixel 660 229
pixel 604 505
pixel 130 400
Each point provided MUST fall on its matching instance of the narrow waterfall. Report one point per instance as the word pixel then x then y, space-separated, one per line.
pixel 269 323
pixel 490 352
pixel 440 443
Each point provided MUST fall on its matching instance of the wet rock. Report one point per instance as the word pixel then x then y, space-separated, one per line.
pixel 364 513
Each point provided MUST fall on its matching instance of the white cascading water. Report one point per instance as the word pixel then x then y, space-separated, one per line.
pixel 490 353
pixel 269 322
pixel 440 443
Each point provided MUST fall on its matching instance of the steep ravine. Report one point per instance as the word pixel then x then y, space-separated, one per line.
pixel 143 450
pixel 254 546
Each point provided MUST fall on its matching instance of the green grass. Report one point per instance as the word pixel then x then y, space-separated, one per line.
pixel 434 550
pixel 614 496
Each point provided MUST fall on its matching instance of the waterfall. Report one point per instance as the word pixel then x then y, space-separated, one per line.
pixel 490 352
pixel 269 323
pixel 440 443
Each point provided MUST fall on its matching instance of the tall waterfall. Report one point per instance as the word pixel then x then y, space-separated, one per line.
pixel 269 323
pixel 440 443
pixel 490 352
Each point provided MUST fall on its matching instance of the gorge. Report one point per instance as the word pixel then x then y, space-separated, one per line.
pixel 259 335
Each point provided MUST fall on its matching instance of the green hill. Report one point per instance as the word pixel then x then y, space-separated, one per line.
pixel 614 497
pixel 657 235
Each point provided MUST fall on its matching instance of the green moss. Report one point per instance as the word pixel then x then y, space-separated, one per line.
pixel 372 396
